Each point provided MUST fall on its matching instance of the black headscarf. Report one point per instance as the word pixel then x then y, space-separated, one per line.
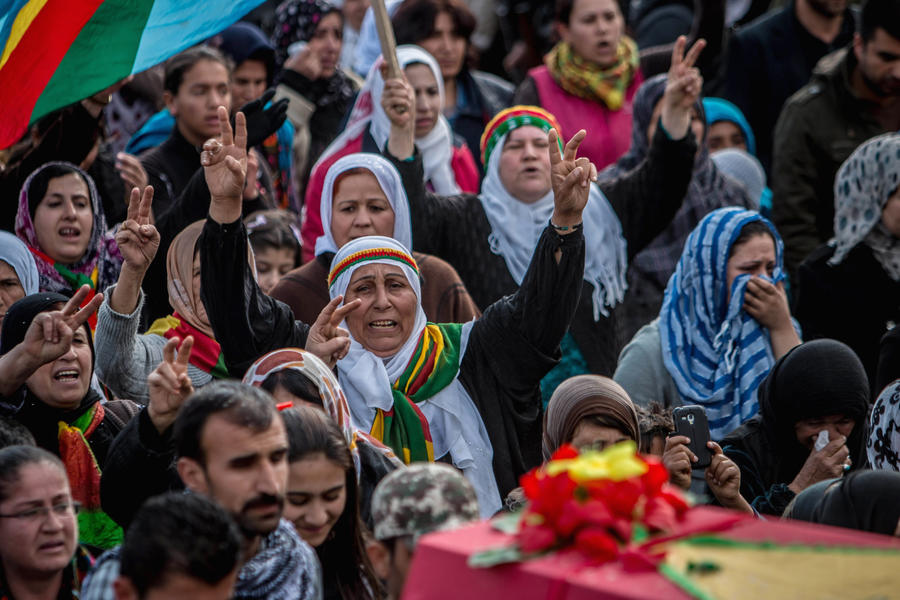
pixel 243 41
pixel 40 418
pixel 815 379
pixel 864 500
pixel 296 21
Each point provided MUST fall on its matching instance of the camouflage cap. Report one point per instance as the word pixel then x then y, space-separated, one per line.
pixel 422 498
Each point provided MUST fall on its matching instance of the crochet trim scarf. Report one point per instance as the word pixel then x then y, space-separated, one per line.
pixel 94 526
pixel 433 366
pixel 206 354
pixel 587 80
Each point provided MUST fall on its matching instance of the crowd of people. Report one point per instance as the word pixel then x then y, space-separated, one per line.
pixel 271 311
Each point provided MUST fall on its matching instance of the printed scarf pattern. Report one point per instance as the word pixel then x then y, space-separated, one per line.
pixel 74 280
pixel 206 354
pixel 432 367
pixel 94 526
pixel 585 79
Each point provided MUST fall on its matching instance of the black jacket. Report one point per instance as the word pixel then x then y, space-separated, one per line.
pixel 854 302
pixel 820 127
pixel 766 62
pixel 169 167
pixel 511 347
pixel 456 229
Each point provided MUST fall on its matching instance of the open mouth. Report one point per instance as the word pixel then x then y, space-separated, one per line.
pixel 54 546
pixel 383 324
pixel 531 172
pixel 67 376
pixel 69 232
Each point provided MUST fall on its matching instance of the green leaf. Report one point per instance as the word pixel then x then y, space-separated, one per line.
pixel 495 556
pixel 507 523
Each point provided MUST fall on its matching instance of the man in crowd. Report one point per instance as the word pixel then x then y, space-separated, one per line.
pixel 231 446
pixel 197 81
pixel 773 57
pixel 853 96
pixel 179 547
pixel 411 502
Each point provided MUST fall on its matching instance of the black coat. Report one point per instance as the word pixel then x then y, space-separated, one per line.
pixel 766 62
pixel 510 349
pixel 169 167
pixel 854 302
pixel 456 229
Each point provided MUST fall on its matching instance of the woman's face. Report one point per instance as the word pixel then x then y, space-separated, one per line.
pixel 271 265
pixel 316 496
pixel 807 430
pixel 890 215
pixel 386 318
pixel 591 436
pixel 326 43
pixel 360 208
pixel 446 45
pixel 428 97
pixel 755 257
pixel 64 382
pixel 525 164
pixel 725 134
pixel 64 219
pixel 33 544
pixel 10 288
pixel 594 30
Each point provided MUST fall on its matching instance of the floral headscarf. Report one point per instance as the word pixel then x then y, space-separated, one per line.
pixel 862 187
pixel 333 399
pixel 883 445
pixel 101 263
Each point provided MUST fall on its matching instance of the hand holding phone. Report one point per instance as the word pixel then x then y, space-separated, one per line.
pixel 691 422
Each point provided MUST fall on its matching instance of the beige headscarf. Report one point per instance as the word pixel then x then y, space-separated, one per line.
pixel 179 273
pixel 583 396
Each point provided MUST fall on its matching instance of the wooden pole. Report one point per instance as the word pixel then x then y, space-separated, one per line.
pixel 386 37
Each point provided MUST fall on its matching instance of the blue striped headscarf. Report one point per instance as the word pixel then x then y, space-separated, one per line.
pixel 716 352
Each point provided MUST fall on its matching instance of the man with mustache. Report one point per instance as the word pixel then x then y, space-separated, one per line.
pixel 226 442
pixel 853 95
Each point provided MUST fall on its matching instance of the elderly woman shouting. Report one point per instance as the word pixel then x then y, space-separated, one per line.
pixel 481 380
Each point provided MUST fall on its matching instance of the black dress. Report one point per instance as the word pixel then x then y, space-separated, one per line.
pixel 511 347
pixel 855 302
pixel 456 229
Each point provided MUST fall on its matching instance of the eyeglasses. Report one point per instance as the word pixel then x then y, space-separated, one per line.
pixel 40 513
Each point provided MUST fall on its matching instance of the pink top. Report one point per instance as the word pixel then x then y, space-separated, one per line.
pixel 609 131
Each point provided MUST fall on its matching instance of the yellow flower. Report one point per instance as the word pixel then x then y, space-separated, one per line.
pixel 615 463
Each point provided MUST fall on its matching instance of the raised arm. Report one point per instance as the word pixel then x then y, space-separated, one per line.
pixel 436 220
pixel 124 358
pixel 531 323
pixel 646 198
pixel 246 322
pixel 48 337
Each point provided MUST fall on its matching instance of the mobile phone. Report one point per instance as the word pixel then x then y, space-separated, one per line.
pixel 691 421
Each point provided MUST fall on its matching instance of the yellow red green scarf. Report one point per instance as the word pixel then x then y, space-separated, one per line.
pixel 206 354
pixel 94 526
pixel 587 80
pixel 432 367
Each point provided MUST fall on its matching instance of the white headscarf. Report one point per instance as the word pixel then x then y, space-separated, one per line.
pixel 391 184
pixel 455 423
pixel 15 253
pixel 436 147
pixel 516 227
